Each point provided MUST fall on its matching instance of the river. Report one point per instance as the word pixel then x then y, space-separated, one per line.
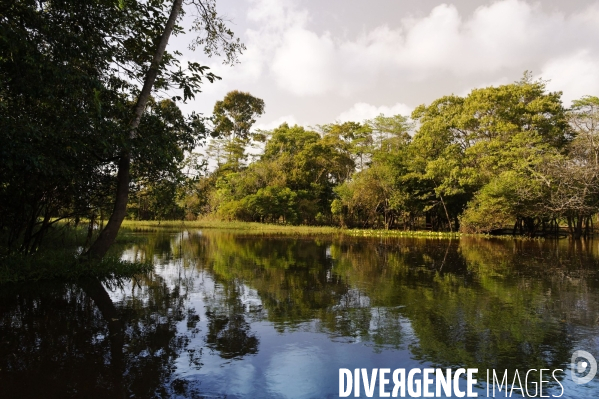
pixel 227 314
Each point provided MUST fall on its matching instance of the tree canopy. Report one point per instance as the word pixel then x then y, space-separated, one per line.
pixel 80 110
pixel 506 157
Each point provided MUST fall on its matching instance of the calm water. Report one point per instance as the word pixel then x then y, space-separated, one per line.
pixel 228 315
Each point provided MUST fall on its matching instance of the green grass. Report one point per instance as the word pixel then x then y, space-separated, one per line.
pixel 264 228
pixel 402 233
pixel 246 227
pixel 253 228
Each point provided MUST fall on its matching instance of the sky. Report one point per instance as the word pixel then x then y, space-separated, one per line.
pixel 316 62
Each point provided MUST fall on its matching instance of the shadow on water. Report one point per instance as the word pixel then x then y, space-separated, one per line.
pixel 74 340
pixel 224 307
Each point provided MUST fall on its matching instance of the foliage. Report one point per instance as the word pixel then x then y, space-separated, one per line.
pixel 236 113
pixel 506 157
pixel 233 118
pixel 72 75
pixel 292 182
pixel 465 143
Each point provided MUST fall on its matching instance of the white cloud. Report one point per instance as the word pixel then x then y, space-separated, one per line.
pixel 505 37
pixel 276 15
pixel 362 111
pixel 576 75
pixel 300 65
pixel 304 63
pixel 272 19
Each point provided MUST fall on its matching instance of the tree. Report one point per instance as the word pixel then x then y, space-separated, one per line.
pixel 61 103
pixel 233 118
pixel 73 112
pixel 499 157
pixel 385 127
pixel 109 233
pixel 236 113
pixel 217 36
pixel 358 136
pixel 464 143
pixel 291 182
pixel 575 179
pixel 377 196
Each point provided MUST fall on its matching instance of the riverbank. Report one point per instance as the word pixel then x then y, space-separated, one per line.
pixel 265 228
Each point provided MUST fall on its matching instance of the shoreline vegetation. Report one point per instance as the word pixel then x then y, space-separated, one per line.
pixel 283 229
pixel 257 228
pixel 60 259
pixel 506 160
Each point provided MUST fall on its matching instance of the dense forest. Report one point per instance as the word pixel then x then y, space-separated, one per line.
pixel 92 130
pixel 508 157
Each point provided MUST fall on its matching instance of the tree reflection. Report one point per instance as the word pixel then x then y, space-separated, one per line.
pixel 71 340
pixel 53 343
pixel 476 303
pixel 473 303
pixel 228 331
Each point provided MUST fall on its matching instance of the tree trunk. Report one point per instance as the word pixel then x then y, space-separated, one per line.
pixel 570 228
pixel 586 227
pixel 109 233
pixel 39 235
pixel 446 214
pixel 90 228
pixel 578 231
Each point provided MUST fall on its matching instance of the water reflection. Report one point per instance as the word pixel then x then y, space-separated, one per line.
pixel 231 315
pixel 61 340
pixel 228 331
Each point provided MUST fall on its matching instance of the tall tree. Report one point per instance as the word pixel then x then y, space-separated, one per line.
pixel 109 233
pixel 217 37
pixel 236 113
pixel 233 117
pixel 574 180
pixel 61 103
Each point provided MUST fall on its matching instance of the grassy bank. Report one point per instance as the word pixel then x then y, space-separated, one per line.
pixel 263 228
pixel 59 259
